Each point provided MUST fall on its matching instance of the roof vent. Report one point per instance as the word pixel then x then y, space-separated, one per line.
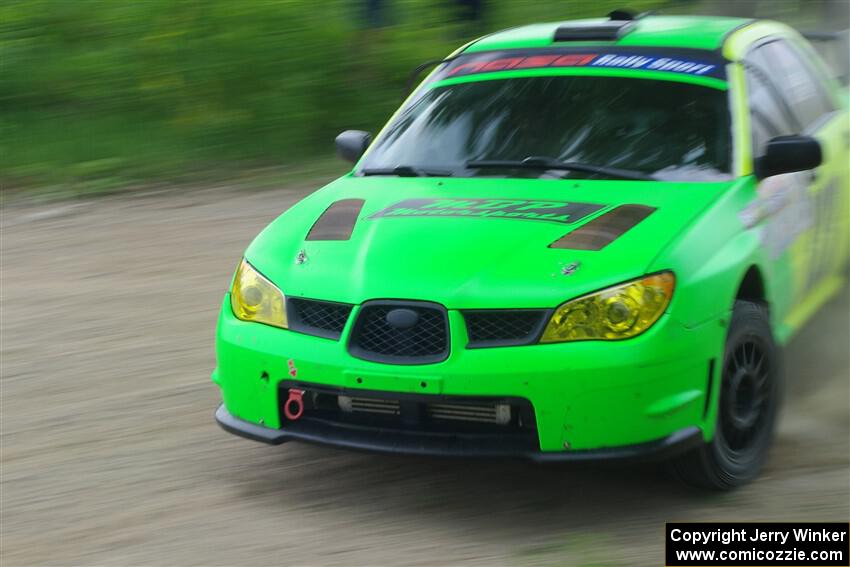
pixel 605 31
pixel 622 15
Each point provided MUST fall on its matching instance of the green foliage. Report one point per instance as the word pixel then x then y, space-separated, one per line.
pixel 110 92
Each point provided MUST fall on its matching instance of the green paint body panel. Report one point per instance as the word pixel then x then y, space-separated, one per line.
pixel 586 395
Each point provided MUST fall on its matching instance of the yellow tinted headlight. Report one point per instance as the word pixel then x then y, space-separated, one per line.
pixel 619 312
pixel 254 298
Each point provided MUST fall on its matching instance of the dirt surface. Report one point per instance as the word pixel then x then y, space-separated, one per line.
pixel 110 455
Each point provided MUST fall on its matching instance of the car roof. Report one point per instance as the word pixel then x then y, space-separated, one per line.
pixel 696 32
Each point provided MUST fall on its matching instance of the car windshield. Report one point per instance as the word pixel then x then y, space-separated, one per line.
pixel 664 129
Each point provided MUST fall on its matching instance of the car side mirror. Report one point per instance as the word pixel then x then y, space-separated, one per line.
pixel 351 144
pixel 786 154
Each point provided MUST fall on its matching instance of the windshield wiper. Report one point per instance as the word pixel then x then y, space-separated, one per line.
pixel 406 171
pixel 540 162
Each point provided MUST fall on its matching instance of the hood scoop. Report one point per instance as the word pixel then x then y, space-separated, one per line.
pixel 604 229
pixel 337 222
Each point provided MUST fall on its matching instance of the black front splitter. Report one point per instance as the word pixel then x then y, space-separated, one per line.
pixel 449 445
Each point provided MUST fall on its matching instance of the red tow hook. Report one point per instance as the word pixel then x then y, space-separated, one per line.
pixel 293 408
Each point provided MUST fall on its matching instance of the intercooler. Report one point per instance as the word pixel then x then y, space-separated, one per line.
pixel 478 412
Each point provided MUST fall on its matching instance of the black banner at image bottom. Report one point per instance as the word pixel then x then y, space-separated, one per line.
pixel 745 544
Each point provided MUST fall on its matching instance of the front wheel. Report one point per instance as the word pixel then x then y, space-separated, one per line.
pixel 750 393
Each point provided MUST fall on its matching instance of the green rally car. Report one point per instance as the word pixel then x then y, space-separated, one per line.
pixel 577 240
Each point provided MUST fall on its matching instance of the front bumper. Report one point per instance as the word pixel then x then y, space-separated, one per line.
pixel 601 397
pixel 454 445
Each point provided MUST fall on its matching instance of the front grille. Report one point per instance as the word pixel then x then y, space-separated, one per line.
pixel 503 327
pixel 313 317
pixel 426 340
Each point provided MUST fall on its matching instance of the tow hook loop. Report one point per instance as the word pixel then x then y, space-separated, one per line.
pixel 294 406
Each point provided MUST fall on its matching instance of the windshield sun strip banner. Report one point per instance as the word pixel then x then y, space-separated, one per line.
pixel 708 82
pixel 688 62
pixel 562 212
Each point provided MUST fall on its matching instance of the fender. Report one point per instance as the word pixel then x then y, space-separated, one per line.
pixel 713 256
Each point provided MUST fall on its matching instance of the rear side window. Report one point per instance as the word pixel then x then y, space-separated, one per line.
pixel 797 82
pixel 770 114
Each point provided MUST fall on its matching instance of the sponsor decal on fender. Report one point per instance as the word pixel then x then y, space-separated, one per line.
pixel 784 202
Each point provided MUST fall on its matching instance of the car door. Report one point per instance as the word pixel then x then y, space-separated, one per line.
pixel 805 232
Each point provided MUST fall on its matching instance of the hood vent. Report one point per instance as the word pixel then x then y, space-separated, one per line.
pixel 605 31
pixel 337 222
pixel 604 229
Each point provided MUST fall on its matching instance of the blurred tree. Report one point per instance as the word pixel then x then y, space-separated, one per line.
pixel 125 91
pixel 374 13
pixel 470 15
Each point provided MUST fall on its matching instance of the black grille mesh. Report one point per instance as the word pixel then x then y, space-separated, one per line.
pixel 503 326
pixel 375 339
pixel 322 318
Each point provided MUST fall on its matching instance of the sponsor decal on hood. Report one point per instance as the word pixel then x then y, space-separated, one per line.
pixel 519 209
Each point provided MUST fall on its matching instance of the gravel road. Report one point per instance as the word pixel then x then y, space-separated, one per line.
pixel 110 455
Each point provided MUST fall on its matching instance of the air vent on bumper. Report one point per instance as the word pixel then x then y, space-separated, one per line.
pixel 477 412
pixel 369 405
pixel 320 318
pixel 474 412
pixel 504 327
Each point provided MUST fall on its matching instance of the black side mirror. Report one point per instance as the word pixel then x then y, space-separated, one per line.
pixel 785 154
pixel 351 144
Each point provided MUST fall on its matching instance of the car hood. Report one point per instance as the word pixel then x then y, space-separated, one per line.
pixel 471 243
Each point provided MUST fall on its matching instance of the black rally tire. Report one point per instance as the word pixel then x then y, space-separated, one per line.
pixel 748 403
